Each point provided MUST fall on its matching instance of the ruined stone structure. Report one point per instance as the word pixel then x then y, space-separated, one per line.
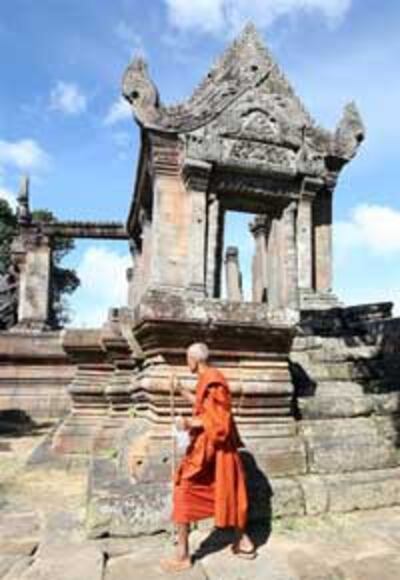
pixel 35 366
pixel 8 300
pixel 315 385
pixel 31 255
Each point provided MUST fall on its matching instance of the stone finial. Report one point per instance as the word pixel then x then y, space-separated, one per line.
pixel 23 211
pixel 349 134
pixel 140 91
pixel 258 225
pixel 129 274
pixel 232 253
pixel 233 275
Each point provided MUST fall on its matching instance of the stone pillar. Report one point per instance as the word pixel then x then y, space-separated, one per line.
pixel 289 262
pixel 260 229
pixel 305 255
pixel 214 236
pixel 171 217
pixel 273 264
pixel 34 286
pixel 304 242
pixel 196 177
pixel 129 278
pixel 233 276
pixel 146 254
pixel 323 241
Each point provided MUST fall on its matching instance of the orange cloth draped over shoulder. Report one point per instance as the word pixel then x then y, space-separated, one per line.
pixel 210 480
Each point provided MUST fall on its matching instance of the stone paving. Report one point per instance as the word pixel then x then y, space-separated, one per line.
pixel 42 537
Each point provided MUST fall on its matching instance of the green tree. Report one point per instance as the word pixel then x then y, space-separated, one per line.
pixel 8 225
pixel 64 280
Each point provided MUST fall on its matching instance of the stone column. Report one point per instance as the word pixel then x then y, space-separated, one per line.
pixel 171 217
pixel 273 264
pixel 34 285
pixel 289 264
pixel 129 278
pixel 305 256
pixel 213 234
pixel 196 177
pixel 146 253
pixel 260 229
pixel 323 241
pixel 233 277
pixel 304 242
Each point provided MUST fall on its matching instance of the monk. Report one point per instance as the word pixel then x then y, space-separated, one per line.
pixel 210 479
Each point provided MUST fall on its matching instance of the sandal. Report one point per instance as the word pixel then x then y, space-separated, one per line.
pixel 245 554
pixel 173 565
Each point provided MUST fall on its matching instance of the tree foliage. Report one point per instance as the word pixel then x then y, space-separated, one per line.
pixel 64 280
pixel 8 225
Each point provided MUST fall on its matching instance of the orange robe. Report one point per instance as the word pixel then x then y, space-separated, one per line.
pixel 210 479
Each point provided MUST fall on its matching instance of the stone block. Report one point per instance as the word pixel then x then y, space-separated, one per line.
pixel 364 490
pixel 19 533
pixel 287 498
pixel 339 406
pixel 341 445
pixel 316 495
pixel 384 566
pixel 72 561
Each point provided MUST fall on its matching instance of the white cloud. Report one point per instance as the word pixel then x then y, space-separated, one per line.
pixel 67 98
pixel 216 16
pixel 9 197
pixel 206 15
pixel 23 154
pixel 373 227
pixel 103 285
pixel 118 111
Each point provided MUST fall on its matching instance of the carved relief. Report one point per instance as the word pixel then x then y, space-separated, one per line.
pixel 248 184
pixel 270 155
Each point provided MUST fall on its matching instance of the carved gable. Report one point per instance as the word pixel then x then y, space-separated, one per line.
pixel 246 113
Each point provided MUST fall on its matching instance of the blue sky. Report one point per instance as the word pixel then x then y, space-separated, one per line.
pixel 61 120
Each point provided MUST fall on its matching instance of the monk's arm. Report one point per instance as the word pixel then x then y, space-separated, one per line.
pixel 216 415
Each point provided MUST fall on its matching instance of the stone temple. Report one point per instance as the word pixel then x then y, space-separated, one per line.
pixel 316 384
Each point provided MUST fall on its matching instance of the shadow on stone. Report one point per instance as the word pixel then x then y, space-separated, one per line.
pixel 260 512
pixel 304 386
pixel 18 423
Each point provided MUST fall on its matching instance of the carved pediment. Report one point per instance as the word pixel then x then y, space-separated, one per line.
pixel 245 111
pixel 245 66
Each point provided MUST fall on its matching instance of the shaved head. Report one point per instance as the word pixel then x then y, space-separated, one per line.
pixel 198 351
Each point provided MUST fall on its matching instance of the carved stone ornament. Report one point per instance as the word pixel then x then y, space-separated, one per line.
pixel 349 134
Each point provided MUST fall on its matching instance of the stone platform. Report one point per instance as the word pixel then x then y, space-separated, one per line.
pixel 43 537
pixel 35 372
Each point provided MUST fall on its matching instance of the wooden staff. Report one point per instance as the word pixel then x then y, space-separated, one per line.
pixel 173 438
pixel 173 442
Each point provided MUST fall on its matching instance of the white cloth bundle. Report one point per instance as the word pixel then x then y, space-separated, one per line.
pixel 182 438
